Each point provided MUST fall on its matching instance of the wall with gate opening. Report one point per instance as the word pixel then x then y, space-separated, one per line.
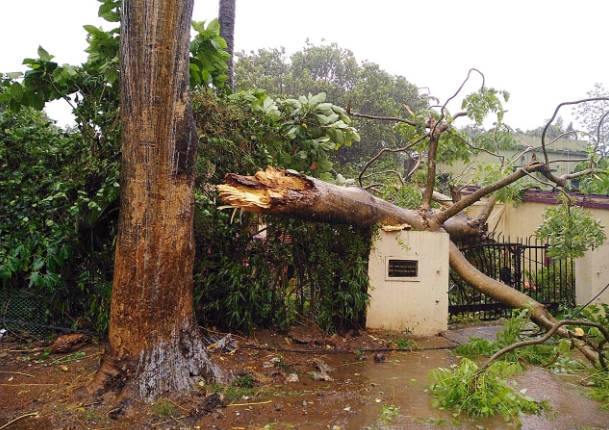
pixel 591 271
pixel 522 264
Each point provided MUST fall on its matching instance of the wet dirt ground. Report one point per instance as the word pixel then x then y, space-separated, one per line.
pixel 300 380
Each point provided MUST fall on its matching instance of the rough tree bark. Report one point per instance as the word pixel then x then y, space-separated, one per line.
pixel 299 196
pixel 226 18
pixel 154 343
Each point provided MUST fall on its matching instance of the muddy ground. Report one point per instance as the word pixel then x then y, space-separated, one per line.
pixel 299 380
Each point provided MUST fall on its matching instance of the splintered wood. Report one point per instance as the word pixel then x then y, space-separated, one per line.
pixel 264 190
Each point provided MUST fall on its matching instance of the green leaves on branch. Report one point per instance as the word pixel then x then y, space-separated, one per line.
pixel 479 104
pixel 487 174
pixel 570 230
pixel 464 388
pixel 208 58
pixel 305 130
pixel 109 10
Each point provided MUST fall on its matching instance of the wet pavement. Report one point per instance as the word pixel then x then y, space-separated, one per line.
pixel 401 381
pixel 368 394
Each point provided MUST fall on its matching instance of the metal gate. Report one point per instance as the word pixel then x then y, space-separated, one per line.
pixel 521 264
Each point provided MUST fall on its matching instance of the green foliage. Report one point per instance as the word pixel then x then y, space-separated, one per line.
pixel 63 185
pixel 304 131
pixel 554 355
pixel 54 207
pixel 335 72
pixel 464 388
pixel 164 408
pixel 299 269
pixel 406 196
pixel 488 100
pixel 59 204
pixel 600 388
pixel 597 313
pixel 208 57
pixel 386 415
pixel 598 183
pixel 487 174
pixel 556 279
pixel 570 231
pixel 243 281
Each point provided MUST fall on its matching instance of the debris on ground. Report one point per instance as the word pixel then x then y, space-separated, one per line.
pixel 69 343
pixel 324 369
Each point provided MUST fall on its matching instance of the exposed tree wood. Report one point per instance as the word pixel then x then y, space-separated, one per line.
pixel 154 344
pixel 283 193
pixel 290 194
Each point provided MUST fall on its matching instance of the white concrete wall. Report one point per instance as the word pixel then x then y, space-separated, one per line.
pixel 419 304
pixel 592 275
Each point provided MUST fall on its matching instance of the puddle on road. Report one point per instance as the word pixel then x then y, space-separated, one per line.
pixel 400 382
pixel 362 388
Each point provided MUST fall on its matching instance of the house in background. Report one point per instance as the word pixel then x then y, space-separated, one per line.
pixel 563 153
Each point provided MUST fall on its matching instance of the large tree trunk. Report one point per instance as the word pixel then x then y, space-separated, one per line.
pixel 303 197
pixel 154 343
pixel 226 18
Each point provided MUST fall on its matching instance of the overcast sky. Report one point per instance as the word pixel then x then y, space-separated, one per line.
pixel 542 52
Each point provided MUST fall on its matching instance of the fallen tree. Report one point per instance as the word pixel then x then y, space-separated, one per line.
pixel 289 194
pixel 280 192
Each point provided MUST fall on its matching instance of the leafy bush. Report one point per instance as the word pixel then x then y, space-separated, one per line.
pixel 313 270
pixel 56 217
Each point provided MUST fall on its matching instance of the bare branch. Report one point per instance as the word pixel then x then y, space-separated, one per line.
pixel 383 118
pixel 579 174
pixel 412 171
pixel 382 151
pixel 469 200
pixel 442 199
pixel 383 172
pixel 487 210
pixel 598 131
pixel 434 139
pixel 545 129
pixel 566 160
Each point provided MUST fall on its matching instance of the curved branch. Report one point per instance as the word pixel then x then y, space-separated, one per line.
pixel 382 151
pixel 469 200
pixel 579 174
pixel 383 118
pixel 396 173
pixel 548 335
pixel 469 72
pixel 598 130
pixel 477 148
pixel 488 208
pixel 545 129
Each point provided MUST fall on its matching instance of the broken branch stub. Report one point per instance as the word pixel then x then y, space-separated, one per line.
pixel 281 192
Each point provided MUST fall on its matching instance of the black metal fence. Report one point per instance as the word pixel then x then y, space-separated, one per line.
pixel 521 264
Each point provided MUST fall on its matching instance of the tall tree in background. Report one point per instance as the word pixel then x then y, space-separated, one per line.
pixel 335 71
pixel 594 118
pixel 226 17
pixel 154 344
